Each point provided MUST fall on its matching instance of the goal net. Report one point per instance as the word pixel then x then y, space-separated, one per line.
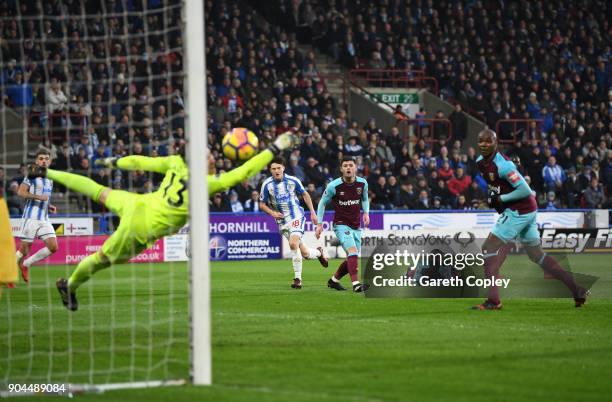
pixel 89 80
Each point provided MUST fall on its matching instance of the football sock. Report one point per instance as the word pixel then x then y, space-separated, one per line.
pixel 313 253
pixel 552 267
pixel 493 262
pixel 352 265
pixel 296 259
pixel 86 268
pixel 39 255
pixel 75 182
pixel 19 256
pixel 342 270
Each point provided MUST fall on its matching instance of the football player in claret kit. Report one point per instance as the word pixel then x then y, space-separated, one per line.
pixel 349 194
pixel 146 218
pixel 279 199
pixel 36 190
pixel 512 198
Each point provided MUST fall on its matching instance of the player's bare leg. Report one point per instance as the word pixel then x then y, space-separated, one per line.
pixel 553 269
pixel 296 261
pixel 494 251
pixel 24 250
pixel 312 253
pixel 50 248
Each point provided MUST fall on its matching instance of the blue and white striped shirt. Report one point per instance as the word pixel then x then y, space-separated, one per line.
pixel 35 209
pixel 282 197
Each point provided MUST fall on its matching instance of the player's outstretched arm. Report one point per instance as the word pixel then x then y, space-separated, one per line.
pixel 138 162
pixel 251 167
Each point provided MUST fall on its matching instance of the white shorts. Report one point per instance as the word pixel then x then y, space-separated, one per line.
pixel 293 228
pixel 32 229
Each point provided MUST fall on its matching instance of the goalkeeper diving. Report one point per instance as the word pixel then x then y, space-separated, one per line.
pixel 145 218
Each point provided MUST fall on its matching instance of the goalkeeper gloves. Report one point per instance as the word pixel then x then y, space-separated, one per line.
pixel 110 162
pixel 284 141
pixel 35 171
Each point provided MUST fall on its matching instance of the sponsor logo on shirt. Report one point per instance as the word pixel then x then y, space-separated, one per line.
pixel 348 202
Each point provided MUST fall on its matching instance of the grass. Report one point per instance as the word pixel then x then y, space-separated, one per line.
pixel 272 343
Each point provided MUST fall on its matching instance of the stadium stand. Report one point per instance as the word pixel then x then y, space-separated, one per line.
pixel 89 99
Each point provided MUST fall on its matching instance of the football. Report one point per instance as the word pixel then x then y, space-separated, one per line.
pixel 240 144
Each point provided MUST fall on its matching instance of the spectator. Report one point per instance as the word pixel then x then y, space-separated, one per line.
pixel 459 123
pixel 315 195
pixel 235 204
pixel 218 204
pixel 441 192
pixel 56 99
pixel 476 193
pixel 381 194
pixel 566 160
pixel 437 204
pixel 295 169
pixel 13 200
pixel 424 202
pixel 445 172
pixel 551 202
pixel 571 188
pixel 21 173
pixel 462 203
pixel 394 189
pixel 314 173
pixel 440 127
pixel 594 196
pixel 584 177
pixel 244 191
pixel 252 204
pixel 553 175
pixel 534 165
pixel 459 183
pixel 20 93
pixel 352 148
pixel 407 197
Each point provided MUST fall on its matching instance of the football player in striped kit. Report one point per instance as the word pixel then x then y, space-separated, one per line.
pixel 279 199
pixel 36 190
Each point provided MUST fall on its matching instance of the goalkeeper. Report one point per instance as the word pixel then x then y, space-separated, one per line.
pixel 146 218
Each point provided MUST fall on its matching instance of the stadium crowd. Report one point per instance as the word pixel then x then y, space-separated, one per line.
pixel 103 93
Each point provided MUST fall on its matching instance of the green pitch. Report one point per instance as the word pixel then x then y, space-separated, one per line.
pixel 273 343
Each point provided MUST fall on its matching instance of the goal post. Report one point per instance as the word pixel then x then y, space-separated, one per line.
pixel 195 72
